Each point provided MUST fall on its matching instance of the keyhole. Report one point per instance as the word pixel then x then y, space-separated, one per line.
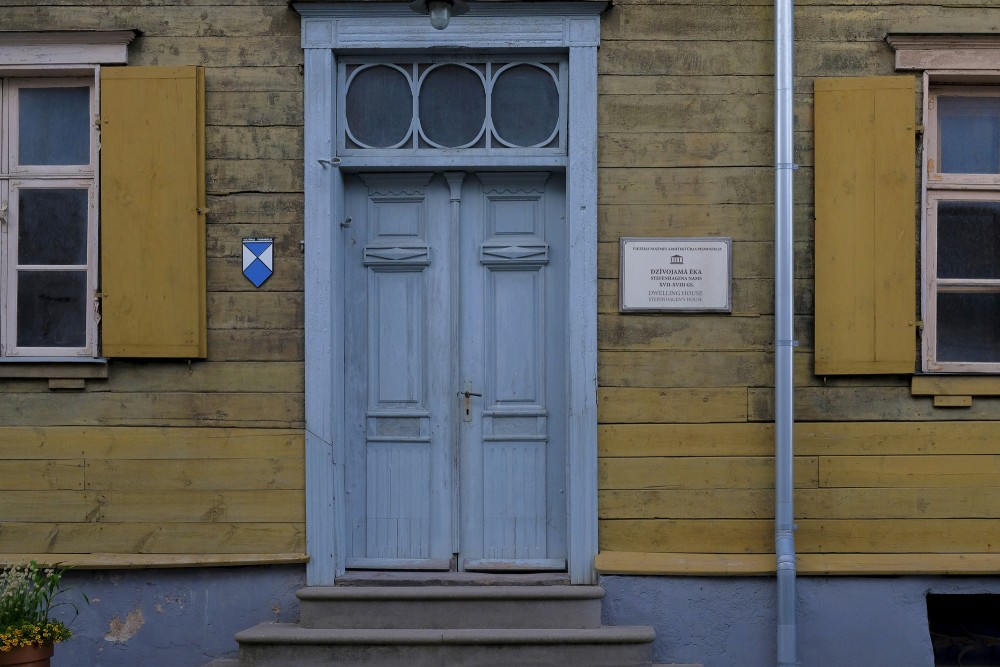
pixel 468 394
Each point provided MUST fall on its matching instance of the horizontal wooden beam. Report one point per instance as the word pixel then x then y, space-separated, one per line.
pixel 712 565
pixel 633 562
pixel 955 385
pixel 112 561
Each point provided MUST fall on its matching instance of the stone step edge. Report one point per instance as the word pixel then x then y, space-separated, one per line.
pixel 289 633
pixel 451 593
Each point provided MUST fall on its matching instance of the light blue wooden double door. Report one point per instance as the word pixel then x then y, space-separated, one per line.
pixel 455 383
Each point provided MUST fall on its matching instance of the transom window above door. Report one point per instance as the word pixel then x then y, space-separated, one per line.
pixel 484 106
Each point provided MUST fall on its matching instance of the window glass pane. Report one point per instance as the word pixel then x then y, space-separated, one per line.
pixel 54 126
pixel 525 105
pixel 968 239
pixel 969 132
pixel 52 226
pixel 968 326
pixel 52 308
pixel 452 106
pixel 379 107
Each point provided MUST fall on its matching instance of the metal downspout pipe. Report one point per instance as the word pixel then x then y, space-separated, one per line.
pixel 784 533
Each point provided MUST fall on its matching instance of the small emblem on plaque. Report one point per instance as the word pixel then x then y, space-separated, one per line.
pixel 258 260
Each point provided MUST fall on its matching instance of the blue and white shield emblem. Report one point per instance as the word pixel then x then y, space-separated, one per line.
pixel 258 260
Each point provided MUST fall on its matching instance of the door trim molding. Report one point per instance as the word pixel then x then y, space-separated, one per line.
pixel 329 30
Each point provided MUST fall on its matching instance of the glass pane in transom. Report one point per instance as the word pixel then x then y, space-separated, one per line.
pixel 54 126
pixel 525 105
pixel 379 107
pixel 51 308
pixel 968 327
pixel 452 106
pixel 52 226
pixel 969 134
pixel 968 239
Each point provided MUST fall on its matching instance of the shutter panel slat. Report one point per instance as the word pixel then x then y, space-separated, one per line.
pixel 865 289
pixel 153 212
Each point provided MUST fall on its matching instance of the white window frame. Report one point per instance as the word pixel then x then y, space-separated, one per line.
pixel 333 30
pixel 933 285
pixel 47 57
pixel 59 56
pixel 965 63
pixel 15 177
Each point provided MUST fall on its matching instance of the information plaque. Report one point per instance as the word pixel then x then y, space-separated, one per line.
pixel 676 274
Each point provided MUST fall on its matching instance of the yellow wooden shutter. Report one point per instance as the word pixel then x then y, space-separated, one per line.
pixel 153 212
pixel 865 225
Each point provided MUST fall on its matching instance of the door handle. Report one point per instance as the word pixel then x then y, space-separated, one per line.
pixel 468 394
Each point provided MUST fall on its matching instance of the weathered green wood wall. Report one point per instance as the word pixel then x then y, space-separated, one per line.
pixel 885 481
pixel 169 462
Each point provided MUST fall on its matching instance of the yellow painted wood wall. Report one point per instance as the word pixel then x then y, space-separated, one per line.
pixel 885 481
pixel 166 462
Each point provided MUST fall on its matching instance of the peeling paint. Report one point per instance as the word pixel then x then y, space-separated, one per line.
pixel 121 631
pixel 188 615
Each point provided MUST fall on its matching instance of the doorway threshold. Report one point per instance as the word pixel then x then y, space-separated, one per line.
pixel 376 578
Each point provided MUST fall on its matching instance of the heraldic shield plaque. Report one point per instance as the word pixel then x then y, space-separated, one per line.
pixel 258 259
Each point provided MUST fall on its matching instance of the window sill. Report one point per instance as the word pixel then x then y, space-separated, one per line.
pixel 62 368
pixel 954 391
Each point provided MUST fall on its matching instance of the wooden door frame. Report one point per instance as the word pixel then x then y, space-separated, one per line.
pixel 329 30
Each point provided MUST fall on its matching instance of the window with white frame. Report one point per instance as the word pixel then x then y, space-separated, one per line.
pixel 961 261
pixel 48 228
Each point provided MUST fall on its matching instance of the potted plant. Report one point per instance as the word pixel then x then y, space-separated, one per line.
pixel 27 597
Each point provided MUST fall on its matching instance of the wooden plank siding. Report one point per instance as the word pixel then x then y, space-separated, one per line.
pixel 100 491
pixel 201 462
pixel 177 462
pixel 886 482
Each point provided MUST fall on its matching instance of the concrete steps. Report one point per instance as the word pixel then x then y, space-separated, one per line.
pixel 451 607
pixel 431 626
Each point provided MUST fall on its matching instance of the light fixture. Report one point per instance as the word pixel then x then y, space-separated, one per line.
pixel 440 11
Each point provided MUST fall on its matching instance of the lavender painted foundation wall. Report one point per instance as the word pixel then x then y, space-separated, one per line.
pixel 187 617
pixel 172 617
pixel 729 622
